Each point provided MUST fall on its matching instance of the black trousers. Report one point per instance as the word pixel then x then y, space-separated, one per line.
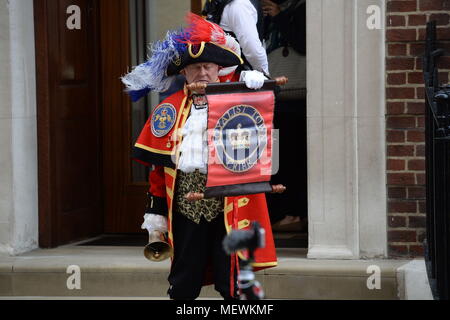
pixel 195 247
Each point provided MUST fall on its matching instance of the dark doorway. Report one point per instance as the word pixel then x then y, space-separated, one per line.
pixel 289 211
pixel 285 36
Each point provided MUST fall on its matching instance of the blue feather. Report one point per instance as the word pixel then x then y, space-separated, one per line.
pixel 137 95
pixel 151 75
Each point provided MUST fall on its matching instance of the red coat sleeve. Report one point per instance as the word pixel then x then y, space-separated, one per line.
pixel 156 196
pixel 157 182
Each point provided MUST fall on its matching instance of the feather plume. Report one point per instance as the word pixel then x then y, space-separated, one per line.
pixel 151 75
pixel 200 30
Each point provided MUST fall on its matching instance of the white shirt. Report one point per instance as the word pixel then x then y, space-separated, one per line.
pixel 241 17
pixel 194 147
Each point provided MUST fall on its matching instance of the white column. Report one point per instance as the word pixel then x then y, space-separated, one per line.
pixel 18 193
pixel 346 163
pixel 5 128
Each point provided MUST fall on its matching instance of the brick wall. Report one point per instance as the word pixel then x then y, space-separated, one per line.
pixel 405 132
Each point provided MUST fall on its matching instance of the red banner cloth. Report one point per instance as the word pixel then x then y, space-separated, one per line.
pixel 240 138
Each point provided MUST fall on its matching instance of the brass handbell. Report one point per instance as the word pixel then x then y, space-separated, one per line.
pixel 157 249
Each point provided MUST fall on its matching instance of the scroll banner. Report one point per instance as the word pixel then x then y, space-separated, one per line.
pixel 240 123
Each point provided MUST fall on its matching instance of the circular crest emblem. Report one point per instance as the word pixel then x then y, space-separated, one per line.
pixel 163 119
pixel 240 138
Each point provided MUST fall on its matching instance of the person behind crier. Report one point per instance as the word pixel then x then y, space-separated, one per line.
pixel 176 130
pixel 243 19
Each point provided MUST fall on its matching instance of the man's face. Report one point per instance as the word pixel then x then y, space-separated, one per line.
pixel 201 72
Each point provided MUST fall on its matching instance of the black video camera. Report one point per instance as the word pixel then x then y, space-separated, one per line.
pixel 250 288
pixel 245 239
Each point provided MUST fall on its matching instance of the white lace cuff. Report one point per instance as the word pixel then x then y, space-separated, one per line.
pixel 154 222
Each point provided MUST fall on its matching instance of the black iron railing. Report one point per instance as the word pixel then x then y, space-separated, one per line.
pixel 437 242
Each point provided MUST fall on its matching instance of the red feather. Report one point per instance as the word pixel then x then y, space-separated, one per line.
pixel 201 30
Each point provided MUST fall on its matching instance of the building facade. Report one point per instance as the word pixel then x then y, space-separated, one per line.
pixel 365 118
pixel 405 103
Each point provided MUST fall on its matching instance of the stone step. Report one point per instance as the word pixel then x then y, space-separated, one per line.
pixel 121 272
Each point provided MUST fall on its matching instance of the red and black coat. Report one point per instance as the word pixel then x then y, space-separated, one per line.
pixel 161 153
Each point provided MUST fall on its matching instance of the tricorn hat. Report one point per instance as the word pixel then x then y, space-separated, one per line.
pixel 201 41
pixel 204 52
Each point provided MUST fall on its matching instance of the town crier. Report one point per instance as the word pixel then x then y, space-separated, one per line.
pixel 173 142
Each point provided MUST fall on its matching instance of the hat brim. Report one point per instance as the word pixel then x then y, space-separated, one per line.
pixel 205 52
